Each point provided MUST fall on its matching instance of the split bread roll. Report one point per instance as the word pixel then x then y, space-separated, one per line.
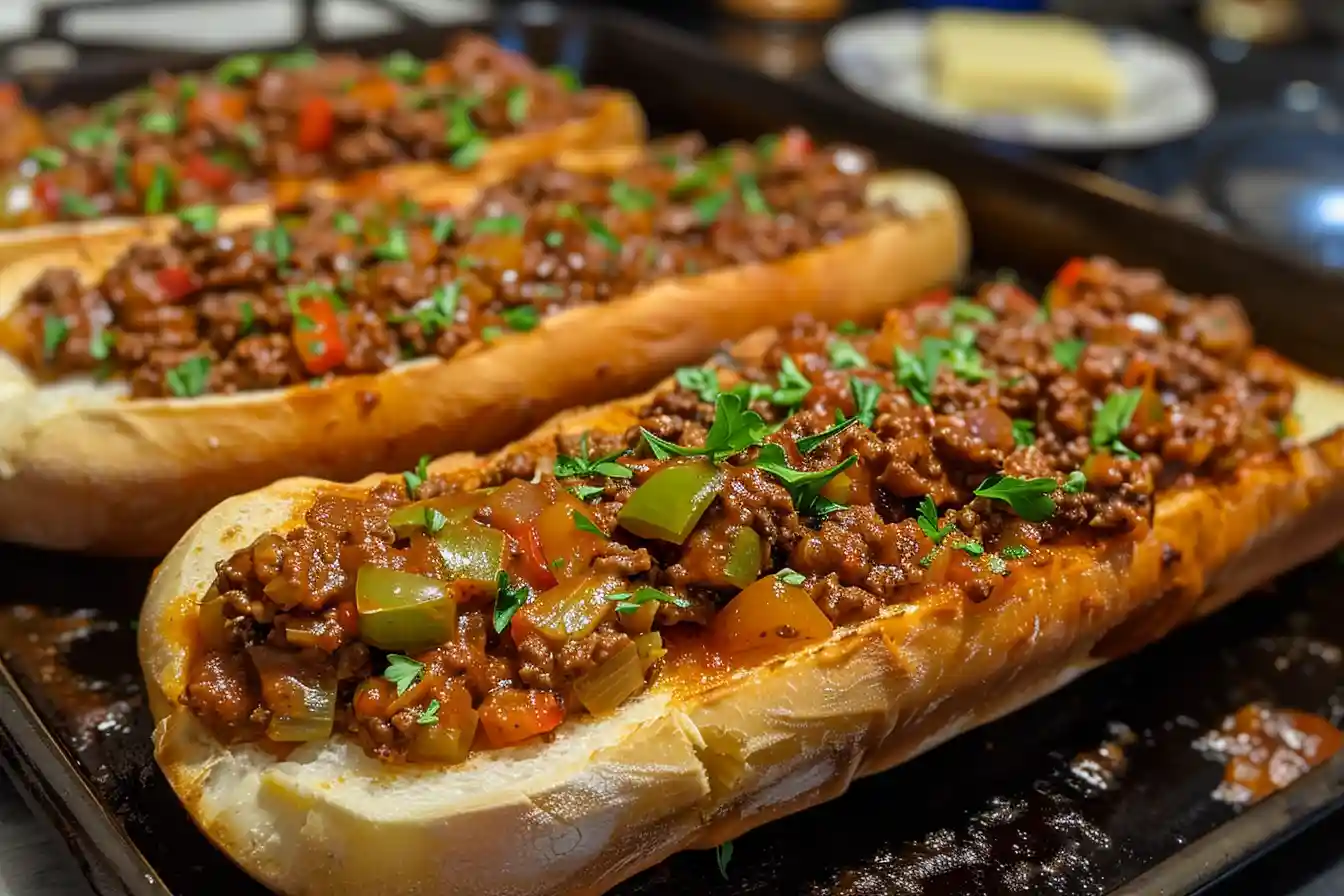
pixel 84 467
pixel 701 757
pixel 1021 64
pixel 616 125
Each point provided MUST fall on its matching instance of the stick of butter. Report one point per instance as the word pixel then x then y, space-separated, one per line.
pixel 1014 63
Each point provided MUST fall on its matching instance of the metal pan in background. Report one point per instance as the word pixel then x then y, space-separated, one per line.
pixel 999 810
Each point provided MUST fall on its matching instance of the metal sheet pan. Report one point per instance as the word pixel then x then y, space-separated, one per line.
pixel 1000 810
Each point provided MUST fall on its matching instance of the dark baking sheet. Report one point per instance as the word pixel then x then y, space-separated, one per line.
pixel 999 810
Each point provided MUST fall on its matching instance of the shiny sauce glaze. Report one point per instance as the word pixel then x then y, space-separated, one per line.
pixel 260 122
pixel 1265 748
pixel 336 288
pixel 754 509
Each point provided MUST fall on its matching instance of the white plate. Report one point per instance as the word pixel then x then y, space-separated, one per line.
pixel 1167 92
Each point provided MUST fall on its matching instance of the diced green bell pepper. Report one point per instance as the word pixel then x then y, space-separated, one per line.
pixel 472 553
pixel 403 612
pixel 743 565
pixel 671 502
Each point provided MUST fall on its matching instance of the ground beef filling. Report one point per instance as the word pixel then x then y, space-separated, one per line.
pixel 963 441
pixel 257 122
pixel 338 289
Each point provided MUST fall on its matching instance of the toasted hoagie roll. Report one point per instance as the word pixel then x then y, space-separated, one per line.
pixel 349 338
pixel 257 127
pixel 656 624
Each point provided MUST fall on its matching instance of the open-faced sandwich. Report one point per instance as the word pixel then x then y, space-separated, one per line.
pixel 656 624
pixel 140 387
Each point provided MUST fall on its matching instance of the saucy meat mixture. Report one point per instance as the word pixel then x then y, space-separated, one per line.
pixel 223 136
pixel 341 288
pixel 752 510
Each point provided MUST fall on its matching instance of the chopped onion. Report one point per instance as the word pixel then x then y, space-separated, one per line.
pixel 609 685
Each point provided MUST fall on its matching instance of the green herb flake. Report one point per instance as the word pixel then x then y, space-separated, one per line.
pixel 431 714
pixel 703 381
pixel 244 67
pixel 394 247
pixel 247 316
pixel 1015 552
pixel 554 238
pixel 403 672
pixel 808 444
pixel 521 318
pixel 443 228
pixel 403 67
pixel 974 548
pixel 584 465
pixel 416 478
pixel 470 153
pixel 723 854
pixel 997 565
pixel 158 122
pixel 201 218
pixel 630 198
pixel 508 599
pixel 189 378
pixel 1024 432
pixel 790 577
pixel 865 395
pixel 1075 483
pixel 1068 352
pixel 1028 498
pixel 753 200
pixel 54 333
pixel 584 492
pixel 346 223
pixel 77 206
pixel 517 103
pixel 503 225
pixel 100 346
pixel 793 385
pixel 1113 418
pixel 966 311
pixel 926 516
pixel 804 487
pixel 707 208
pixel 434 520
pixel 629 603
pixel 735 429
pixel 47 158
pixel 567 77
pixel 844 356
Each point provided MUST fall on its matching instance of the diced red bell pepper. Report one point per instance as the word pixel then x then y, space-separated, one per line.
pixel 208 105
pixel 317 124
pixel 10 95
pixel 1071 273
pixel 213 175
pixel 47 194
pixel 318 337
pixel 176 283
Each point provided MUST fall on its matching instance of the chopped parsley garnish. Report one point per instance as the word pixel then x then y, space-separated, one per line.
pixel 303 57
pixel 850 328
pixel 584 492
pixel 200 218
pixel 630 198
pixel 735 429
pixel 100 346
pixel 156 196
pixel 346 223
pixel 503 225
pixel 158 123
pixel 997 565
pixel 804 487
pixel 54 333
pixel 793 386
pixel 402 66
pixel 431 714
pixel 584 465
pixel 438 312
pixel 248 135
pixel 1068 352
pixel 707 208
pixel 808 444
pixel 964 311
pixel 917 373
pixel 766 145
pixel 508 599
pixel 583 524
pixel 844 356
pixel 394 247
pixel 435 520
pixel 47 158
pixel 567 77
pixel 753 200
pixel 443 228
pixel 865 395
pixel 602 234
pixel 416 478
pixel 1113 418
pixel 275 241
pixel 78 206
pixel 790 576
pixel 554 238
pixel 927 518
pixel 239 68
pixel 516 105
pixel 403 672
pixel 703 381
pixel 629 603
pixel 974 548
pixel 91 137
pixel 1024 432
pixel 521 318
pixel 723 854
pixel 1029 498
pixel 469 154
pixel 1075 483
pixel 121 172
pixel 188 379
pixel 247 315
pixel 1015 552
pixel 491 334
pixel 964 358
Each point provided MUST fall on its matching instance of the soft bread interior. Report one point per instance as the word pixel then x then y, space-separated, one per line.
pixel 163 462
pixel 691 764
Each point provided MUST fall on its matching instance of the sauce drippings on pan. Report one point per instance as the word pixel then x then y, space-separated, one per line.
pixel 1264 749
